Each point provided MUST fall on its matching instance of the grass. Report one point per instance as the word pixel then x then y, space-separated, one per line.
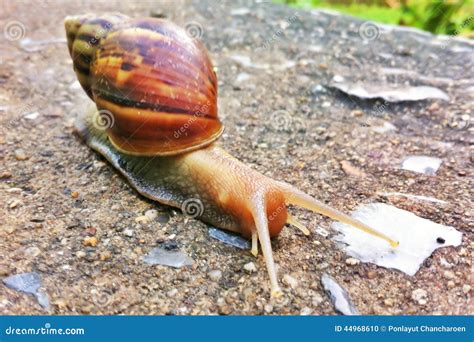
pixel 436 16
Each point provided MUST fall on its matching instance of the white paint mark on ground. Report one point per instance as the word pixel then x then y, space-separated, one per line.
pixel 418 237
pixel 422 164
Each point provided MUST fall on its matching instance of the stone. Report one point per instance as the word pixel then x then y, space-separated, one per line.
pixel 20 155
pixel 80 254
pixel 215 275
pixel 171 293
pixel 250 267
pixel 90 241
pixel 268 308
pixel 419 296
pixel 4 270
pixel 352 261
pixel 290 281
pixel 448 275
pixel 128 232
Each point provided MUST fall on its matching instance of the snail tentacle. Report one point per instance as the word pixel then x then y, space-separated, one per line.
pixel 254 249
pixel 297 197
pixel 294 222
pixel 259 209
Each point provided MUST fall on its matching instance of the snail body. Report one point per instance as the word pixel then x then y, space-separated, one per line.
pixel 157 87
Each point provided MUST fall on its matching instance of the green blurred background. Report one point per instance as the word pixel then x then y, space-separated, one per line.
pixel 441 17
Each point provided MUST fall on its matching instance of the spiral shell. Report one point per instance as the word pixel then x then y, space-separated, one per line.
pixel 156 80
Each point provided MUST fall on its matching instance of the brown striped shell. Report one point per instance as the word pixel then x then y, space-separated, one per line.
pixel 156 82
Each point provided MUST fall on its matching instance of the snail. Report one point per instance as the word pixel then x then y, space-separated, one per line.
pixel 155 120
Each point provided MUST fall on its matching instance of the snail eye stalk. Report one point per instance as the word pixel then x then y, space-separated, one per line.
pixel 297 197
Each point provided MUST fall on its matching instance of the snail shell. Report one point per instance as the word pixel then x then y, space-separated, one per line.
pixel 156 82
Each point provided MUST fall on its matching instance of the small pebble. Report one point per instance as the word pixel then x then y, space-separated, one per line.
pixel 87 309
pixel 306 311
pixel 90 241
pixel 142 219
pixel 250 267
pixel 352 261
pixel 4 270
pixel 106 255
pixel 419 296
pixel 163 218
pixel 15 190
pixel 451 284
pixel 172 293
pixel 290 281
pixel 268 308
pixel 449 275
pixel 351 170
pixel 14 204
pixel 33 251
pixel 215 275
pixel 357 113
pixel 371 274
pixel 74 194
pixel 9 229
pixel 466 288
pixel 128 232
pixel 116 207
pixel 20 155
pixel 80 254
pixel 5 175
pixel 151 214
pixel 317 299
pixel 388 302
pixel 89 231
